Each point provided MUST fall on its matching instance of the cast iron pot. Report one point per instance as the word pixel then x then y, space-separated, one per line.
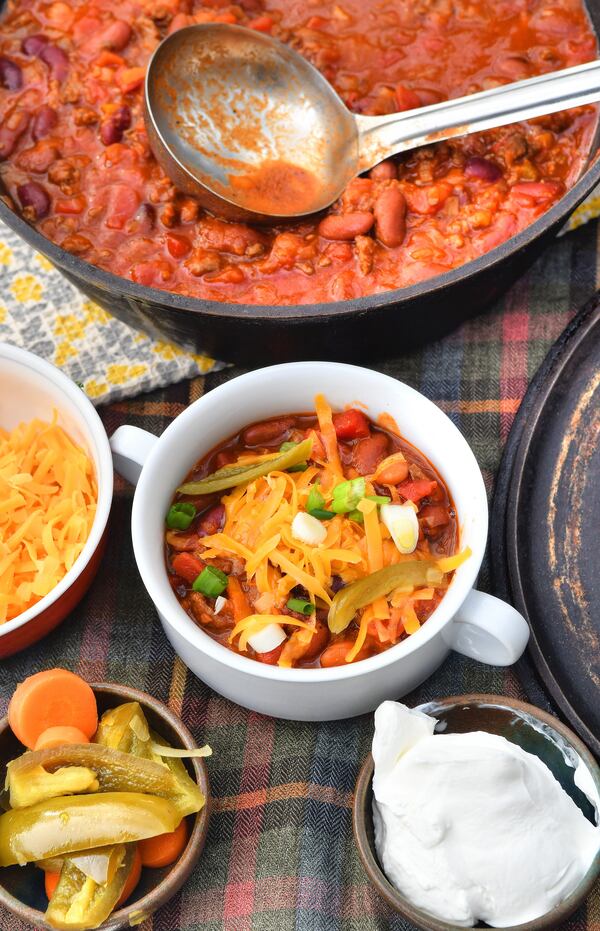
pixel 367 327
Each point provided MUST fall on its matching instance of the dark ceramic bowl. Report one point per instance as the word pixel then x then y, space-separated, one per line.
pixel 22 887
pixel 366 327
pixel 528 727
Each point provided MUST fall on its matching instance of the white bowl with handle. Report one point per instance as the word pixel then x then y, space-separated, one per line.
pixel 471 622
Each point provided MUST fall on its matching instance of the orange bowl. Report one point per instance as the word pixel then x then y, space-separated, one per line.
pixel 29 388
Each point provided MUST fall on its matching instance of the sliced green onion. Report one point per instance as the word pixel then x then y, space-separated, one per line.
pixel 300 606
pixel 300 467
pixel 211 582
pixel 379 499
pixel 321 513
pixel 180 515
pixel 315 499
pixel 347 495
pixel 356 516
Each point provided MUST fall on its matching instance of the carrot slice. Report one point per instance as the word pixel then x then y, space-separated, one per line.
pixel 133 878
pixel 60 736
pixel 239 602
pixel 164 848
pixel 50 883
pixel 54 697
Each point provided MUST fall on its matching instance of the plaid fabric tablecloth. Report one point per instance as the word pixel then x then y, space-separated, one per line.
pixel 280 854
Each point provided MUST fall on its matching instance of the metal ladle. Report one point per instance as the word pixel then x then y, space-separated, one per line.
pixel 249 127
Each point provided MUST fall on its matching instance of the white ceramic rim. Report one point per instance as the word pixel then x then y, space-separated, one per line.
pixel 172 612
pixel 104 477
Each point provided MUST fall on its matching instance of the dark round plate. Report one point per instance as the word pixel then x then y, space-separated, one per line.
pixel 546 523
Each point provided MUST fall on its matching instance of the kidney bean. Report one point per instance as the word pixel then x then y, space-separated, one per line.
pixel 390 217
pixel 336 652
pixel 346 226
pixel 33 45
pixel 112 130
pixel 261 433
pixel 57 60
pixel 39 157
pixel 434 516
pixel 211 521
pixel 385 171
pixel 11 131
pixel 337 583
pixel 527 191
pixel 11 75
pixel 34 198
pixel 483 169
pixel 393 474
pixel 225 457
pixel 116 35
pixel 44 122
pixel 369 452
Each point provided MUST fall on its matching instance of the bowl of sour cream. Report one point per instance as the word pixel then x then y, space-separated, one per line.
pixel 478 810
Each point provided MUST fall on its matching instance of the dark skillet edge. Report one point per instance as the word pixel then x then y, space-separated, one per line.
pixel 506 582
pixel 362 822
pixel 248 333
pixel 179 872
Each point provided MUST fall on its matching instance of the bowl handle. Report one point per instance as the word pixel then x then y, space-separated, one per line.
pixel 130 449
pixel 488 629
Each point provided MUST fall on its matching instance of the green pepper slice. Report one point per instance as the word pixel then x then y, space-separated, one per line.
pixel 361 593
pixel 80 903
pixel 100 864
pixel 125 728
pixel 111 770
pixel 231 475
pixel 80 822
pixel 37 784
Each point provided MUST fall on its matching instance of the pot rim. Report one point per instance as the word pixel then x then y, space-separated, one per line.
pixel 299 313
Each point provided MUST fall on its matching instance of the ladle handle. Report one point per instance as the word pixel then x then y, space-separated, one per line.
pixel 382 136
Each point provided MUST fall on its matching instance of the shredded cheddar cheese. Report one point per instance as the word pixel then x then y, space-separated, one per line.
pixel 48 497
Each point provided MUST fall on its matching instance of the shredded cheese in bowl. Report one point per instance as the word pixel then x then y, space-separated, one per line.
pixel 48 498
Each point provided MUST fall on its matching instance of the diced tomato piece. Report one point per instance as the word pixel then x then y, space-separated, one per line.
pixel 349 425
pixel 272 656
pixel 178 246
pixel 406 98
pixel 123 201
pixel 261 23
pixel 414 491
pixel 131 78
pixel 187 566
pixel 68 205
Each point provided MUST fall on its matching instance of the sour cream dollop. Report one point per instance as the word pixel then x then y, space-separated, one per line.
pixel 470 827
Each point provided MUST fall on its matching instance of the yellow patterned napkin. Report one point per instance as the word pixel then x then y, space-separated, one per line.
pixel 43 312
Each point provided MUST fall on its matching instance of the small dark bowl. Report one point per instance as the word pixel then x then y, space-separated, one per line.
pixel 528 727
pixel 22 888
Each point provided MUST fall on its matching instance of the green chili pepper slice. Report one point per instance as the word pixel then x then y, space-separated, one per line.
pixel 80 903
pixel 80 822
pixel 111 770
pixel 125 728
pixel 357 595
pixel 231 475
